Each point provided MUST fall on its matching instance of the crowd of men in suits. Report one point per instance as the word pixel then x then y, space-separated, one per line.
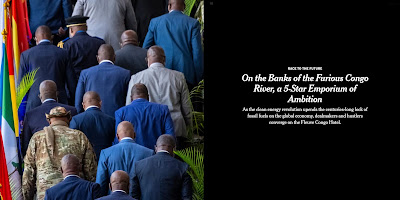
pixel 110 103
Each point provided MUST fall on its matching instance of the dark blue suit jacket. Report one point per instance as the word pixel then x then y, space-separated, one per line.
pixel 48 12
pixel 161 177
pixel 150 120
pixel 179 36
pixel 97 126
pixel 117 195
pixel 119 157
pixel 82 50
pixel 35 120
pixel 73 188
pixel 54 65
pixel 109 81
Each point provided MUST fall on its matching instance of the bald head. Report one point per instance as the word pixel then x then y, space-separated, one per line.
pixel 139 90
pixel 119 180
pixel 125 129
pixel 43 32
pixel 129 37
pixel 155 54
pixel 166 142
pixel 105 52
pixel 47 90
pixel 91 98
pixel 176 5
pixel 70 165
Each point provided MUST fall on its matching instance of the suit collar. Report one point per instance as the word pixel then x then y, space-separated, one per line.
pixel 44 43
pixel 93 108
pixel 106 61
pixel 176 11
pixel 163 154
pixel 127 141
pixel 140 100
pixel 80 33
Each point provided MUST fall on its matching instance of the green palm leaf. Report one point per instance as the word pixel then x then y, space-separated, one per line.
pixel 194 158
pixel 189 6
pixel 24 86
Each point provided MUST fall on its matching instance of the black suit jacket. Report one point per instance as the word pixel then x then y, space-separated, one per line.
pixel 73 188
pixel 117 196
pixel 82 50
pixel 132 58
pixel 35 120
pixel 161 177
pixel 145 10
pixel 54 65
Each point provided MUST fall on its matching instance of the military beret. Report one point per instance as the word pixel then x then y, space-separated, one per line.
pixel 76 20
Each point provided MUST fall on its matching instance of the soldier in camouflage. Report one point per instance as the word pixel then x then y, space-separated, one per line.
pixel 46 149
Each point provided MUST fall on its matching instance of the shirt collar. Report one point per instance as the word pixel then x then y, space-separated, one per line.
pixel 177 11
pixel 162 151
pixel 107 61
pixel 71 176
pixel 49 99
pixel 156 64
pixel 119 191
pixel 44 40
pixel 91 107
pixel 127 138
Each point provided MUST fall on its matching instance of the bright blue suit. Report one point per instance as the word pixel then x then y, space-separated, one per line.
pixel 149 120
pixel 97 126
pixel 119 157
pixel 73 188
pixel 109 81
pixel 179 36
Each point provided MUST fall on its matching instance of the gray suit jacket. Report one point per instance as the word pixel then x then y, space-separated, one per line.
pixel 108 19
pixel 166 87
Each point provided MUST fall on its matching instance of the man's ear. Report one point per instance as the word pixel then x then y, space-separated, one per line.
pixel 51 38
pixel 109 185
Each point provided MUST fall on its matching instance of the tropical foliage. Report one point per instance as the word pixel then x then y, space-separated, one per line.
pixel 194 157
pixel 197 97
pixel 24 86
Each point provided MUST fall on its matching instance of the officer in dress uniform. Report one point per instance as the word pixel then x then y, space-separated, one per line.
pixel 82 48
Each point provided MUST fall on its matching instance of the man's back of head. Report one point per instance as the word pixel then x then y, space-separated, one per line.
pixel 48 90
pixel 43 32
pixel 119 180
pixel 166 142
pixel 105 52
pixel 91 98
pixel 125 129
pixel 129 37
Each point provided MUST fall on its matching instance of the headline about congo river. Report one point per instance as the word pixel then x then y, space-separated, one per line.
pixel 295 84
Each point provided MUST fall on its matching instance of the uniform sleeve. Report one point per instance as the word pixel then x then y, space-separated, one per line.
pixel 169 125
pixel 89 160
pixel 102 177
pixel 149 39
pixel 96 191
pixel 130 18
pixel 29 175
pixel 79 7
pixel 197 52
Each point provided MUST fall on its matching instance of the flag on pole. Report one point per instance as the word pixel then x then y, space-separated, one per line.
pixel 9 116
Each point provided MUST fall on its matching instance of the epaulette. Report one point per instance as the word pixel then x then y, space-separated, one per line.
pixel 61 43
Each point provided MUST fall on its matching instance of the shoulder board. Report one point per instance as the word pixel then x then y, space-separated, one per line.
pixel 61 43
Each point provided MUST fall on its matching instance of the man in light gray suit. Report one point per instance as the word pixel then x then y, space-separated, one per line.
pixel 107 19
pixel 166 87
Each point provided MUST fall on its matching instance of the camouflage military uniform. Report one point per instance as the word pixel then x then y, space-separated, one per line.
pixel 43 158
